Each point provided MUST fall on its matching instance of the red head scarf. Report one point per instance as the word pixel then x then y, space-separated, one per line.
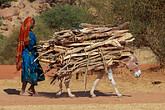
pixel 23 40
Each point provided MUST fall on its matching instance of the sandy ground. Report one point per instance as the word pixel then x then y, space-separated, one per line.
pixel 144 93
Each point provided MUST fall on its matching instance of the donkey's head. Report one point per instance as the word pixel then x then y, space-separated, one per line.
pixel 131 63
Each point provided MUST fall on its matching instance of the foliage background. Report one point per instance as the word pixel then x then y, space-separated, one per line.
pixel 146 17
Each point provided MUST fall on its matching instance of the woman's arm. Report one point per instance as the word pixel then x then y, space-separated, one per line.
pixel 32 41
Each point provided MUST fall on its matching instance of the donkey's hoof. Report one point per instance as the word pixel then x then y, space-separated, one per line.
pixel 72 96
pixel 119 95
pixel 93 96
pixel 58 93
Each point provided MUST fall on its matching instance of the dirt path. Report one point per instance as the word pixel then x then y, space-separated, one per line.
pixel 103 98
pixel 143 91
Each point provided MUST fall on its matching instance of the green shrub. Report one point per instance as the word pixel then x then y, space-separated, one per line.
pixel 8 54
pixel 2 41
pixel 5 1
pixel 65 16
pixel 42 30
pixel 8 51
pixel 102 9
pixel 146 19
pixel 1 21
pixel 147 22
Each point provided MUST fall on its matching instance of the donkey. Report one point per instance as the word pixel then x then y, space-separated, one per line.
pixel 130 62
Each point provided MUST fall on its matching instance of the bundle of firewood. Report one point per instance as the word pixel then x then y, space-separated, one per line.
pixel 85 48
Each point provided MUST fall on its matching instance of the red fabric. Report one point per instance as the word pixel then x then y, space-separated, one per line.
pixel 23 40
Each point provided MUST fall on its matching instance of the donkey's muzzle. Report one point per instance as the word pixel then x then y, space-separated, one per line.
pixel 137 74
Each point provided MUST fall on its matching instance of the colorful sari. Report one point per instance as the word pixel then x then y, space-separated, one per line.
pixel 23 40
pixel 27 52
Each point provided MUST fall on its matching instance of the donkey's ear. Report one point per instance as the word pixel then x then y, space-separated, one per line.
pixel 135 59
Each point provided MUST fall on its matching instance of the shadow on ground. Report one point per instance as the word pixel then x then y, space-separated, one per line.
pixel 64 94
pixel 77 94
pixel 12 91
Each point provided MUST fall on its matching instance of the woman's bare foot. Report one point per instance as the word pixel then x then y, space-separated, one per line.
pixel 23 93
pixel 32 92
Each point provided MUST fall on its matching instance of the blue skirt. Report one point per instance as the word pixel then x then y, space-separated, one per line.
pixel 31 71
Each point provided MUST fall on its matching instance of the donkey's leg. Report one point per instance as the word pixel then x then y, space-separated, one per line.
pixel 110 77
pixel 99 76
pixel 67 81
pixel 60 86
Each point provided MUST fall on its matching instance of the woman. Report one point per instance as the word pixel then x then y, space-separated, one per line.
pixel 26 53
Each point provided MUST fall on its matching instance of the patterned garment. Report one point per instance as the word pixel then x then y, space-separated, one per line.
pixel 31 71
pixel 23 40
pixel 26 54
